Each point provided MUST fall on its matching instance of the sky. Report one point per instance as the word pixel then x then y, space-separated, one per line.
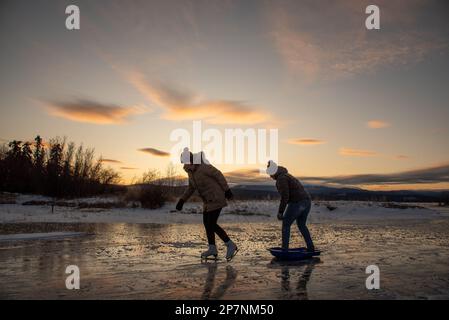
pixel 352 106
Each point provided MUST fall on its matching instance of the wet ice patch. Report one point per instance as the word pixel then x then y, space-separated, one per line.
pixel 40 236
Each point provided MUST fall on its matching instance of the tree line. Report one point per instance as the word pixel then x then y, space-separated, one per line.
pixel 57 169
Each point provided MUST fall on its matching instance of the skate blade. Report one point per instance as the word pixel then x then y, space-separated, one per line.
pixel 230 258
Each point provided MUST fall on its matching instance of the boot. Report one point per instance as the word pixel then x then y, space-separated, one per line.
pixel 231 250
pixel 212 251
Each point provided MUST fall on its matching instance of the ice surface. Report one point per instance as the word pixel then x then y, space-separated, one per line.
pixel 40 236
pixel 162 261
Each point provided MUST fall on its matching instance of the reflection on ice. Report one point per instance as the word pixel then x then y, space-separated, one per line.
pixel 220 288
pixel 151 261
pixel 288 288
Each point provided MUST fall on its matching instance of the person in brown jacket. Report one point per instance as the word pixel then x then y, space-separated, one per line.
pixel 295 201
pixel 213 189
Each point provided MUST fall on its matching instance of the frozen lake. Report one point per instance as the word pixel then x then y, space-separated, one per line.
pixel 161 261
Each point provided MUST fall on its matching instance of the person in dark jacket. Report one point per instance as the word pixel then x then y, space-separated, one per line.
pixel 295 204
pixel 213 189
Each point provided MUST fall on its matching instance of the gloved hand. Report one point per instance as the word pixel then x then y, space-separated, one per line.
pixel 280 215
pixel 228 194
pixel 179 205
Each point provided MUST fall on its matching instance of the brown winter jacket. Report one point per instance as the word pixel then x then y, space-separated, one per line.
pixel 210 184
pixel 290 189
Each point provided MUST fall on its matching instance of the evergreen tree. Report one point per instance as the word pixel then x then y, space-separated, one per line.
pixel 62 171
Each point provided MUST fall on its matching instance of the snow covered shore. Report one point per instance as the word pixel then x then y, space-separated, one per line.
pixel 237 211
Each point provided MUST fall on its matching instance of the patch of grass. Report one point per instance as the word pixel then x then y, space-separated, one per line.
pixel 7 198
pixel 391 205
pixel 101 205
pixel 150 196
pixel 37 203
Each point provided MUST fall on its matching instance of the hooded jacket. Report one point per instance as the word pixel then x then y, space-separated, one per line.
pixel 290 189
pixel 210 184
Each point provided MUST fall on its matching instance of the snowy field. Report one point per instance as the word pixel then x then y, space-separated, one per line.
pixel 237 211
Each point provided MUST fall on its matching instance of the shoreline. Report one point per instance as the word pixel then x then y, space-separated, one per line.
pixel 255 211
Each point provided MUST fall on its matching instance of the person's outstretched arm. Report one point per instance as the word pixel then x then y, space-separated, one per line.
pixel 189 191
pixel 185 196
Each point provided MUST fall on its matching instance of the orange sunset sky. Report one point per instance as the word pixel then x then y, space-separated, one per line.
pixel 354 107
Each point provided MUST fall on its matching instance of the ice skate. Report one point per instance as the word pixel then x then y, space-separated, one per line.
pixel 210 253
pixel 231 250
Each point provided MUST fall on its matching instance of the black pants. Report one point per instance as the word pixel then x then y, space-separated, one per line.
pixel 210 223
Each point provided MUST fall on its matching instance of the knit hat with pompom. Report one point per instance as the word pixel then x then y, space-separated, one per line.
pixel 272 168
pixel 188 157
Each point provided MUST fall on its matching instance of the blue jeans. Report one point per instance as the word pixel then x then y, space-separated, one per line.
pixel 297 211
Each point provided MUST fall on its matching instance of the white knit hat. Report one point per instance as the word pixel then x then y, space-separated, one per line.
pixel 203 157
pixel 272 168
pixel 185 156
pixel 193 158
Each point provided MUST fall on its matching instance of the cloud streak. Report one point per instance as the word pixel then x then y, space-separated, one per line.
pixel 155 152
pixel 113 161
pixel 88 111
pixel 306 142
pixel 426 175
pixel 246 176
pixel 349 152
pixel 377 124
pixel 180 104
pixel 435 174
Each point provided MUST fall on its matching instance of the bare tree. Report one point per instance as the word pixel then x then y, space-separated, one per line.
pixel 152 176
pixel 3 151
pixel 60 170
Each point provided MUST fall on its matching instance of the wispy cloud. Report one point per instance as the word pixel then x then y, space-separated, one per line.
pixel 377 124
pixel 113 161
pixel 89 111
pixel 402 157
pixel 428 175
pixel 246 176
pixel 155 152
pixel 128 168
pixel 357 152
pixel 307 142
pixel 180 104
pixel 328 42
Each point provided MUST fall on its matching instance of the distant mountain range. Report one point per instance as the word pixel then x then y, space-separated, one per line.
pixel 256 191
pixel 318 192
